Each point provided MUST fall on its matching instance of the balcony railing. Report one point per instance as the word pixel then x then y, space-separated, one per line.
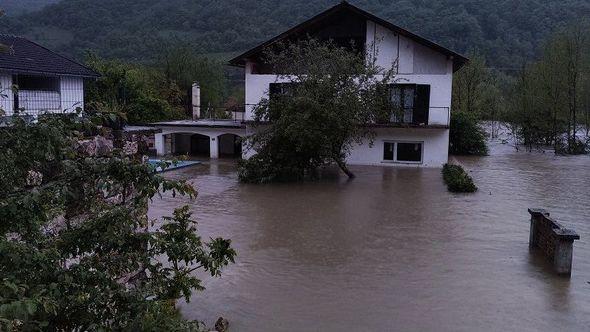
pixel 436 117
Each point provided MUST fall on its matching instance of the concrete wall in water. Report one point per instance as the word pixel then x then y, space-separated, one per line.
pixel 553 240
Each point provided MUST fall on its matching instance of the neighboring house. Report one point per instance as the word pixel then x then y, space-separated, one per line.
pixel 423 89
pixel 44 81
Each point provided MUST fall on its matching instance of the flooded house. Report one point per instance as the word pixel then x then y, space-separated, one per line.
pixel 35 80
pixel 422 89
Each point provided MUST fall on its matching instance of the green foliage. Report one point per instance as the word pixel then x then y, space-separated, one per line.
pixel 139 92
pixel 475 90
pixel 182 67
pixel 507 32
pixel 549 104
pixel 466 136
pixel 457 180
pixel 324 110
pixel 77 251
pixel 157 92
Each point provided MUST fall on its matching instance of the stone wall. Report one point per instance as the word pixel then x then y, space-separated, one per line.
pixel 553 240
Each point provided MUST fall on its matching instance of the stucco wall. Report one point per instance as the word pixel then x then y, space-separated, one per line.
pixel 440 92
pixel 184 140
pixel 72 93
pixel 6 96
pixel 435 145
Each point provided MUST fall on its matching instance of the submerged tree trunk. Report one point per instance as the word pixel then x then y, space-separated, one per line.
pixel 344 168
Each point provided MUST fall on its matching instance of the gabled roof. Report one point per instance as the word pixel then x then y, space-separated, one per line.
pixel 25 56
pixel 458 59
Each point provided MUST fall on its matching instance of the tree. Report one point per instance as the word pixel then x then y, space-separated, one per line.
pixel 320 106
pixel 141 93
pixel 474 89
pixel 77 250
pixel 182 67
pixel 548 101
pixel 466 137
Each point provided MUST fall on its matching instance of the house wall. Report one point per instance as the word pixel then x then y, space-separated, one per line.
pixel 171 132
pixel 72 93
pixel 435 145
pixel 70 96
pixel 6 96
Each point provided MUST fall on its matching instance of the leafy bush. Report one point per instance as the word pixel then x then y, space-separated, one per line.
pixel 261 169
pixel 77 252
pixel 457 180
pixel 466 136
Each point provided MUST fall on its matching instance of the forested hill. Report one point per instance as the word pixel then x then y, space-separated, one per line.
pixel 506 31
pixel 15 7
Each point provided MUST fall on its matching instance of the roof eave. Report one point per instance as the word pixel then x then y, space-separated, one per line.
pixel 48 73
pixel 458 59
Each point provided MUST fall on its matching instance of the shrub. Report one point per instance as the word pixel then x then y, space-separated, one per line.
pixel 457 180
pixel 260 168
pixel 466 136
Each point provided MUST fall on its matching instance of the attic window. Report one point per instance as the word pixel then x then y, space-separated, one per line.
pixel 37 83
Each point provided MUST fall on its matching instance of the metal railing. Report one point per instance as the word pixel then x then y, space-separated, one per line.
pixel 32 103
pixel 410 116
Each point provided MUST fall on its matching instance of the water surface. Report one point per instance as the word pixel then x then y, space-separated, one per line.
pixel 393 250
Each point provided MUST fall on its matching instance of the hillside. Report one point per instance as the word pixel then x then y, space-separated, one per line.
pixel 507 32
pixel 15 7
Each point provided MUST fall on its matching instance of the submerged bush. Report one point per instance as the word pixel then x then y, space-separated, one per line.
pixel 466 136
pixel 457 180
pixel 262 169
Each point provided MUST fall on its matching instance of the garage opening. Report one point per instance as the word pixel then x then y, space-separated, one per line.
pixel 200 145
pixel 230 146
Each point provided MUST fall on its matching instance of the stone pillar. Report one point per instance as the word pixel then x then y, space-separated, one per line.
pixel 553 239
pixel 159 144
pixel 536 216
pixel 214 148
pixel 562 260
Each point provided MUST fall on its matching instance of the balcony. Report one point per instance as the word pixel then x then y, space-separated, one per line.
pixel 433 118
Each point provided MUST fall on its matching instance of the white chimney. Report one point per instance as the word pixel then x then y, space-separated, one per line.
pixel 196 99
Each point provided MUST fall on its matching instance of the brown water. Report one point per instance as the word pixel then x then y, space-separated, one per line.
pixel 392 250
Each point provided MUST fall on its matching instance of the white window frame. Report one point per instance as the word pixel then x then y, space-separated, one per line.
pixel 395 160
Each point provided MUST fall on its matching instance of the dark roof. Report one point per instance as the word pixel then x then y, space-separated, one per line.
pixel 458 59
pixel 25 56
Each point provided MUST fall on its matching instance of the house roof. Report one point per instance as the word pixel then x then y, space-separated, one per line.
pixel 25 56
pixel 458 59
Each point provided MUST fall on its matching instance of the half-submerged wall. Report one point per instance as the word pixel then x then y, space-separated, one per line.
pixel 554 240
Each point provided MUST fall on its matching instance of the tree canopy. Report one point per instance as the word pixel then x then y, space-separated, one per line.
pixel 322 103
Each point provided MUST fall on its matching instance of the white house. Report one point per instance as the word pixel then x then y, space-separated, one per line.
pixel 424 83
pixel 423 89
pixel 45 81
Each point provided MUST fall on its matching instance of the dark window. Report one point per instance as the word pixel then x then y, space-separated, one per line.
pixel 37 83
pixel 410 103
pixel 402 100
pixel 411 152
pixel 280 89
pixel 388 151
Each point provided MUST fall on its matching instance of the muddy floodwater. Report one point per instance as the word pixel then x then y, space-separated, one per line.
pixel 392 250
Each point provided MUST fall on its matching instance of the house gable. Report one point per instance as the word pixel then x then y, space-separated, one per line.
pixel 344 22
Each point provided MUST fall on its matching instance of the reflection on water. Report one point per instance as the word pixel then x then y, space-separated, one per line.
pixel 393 250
